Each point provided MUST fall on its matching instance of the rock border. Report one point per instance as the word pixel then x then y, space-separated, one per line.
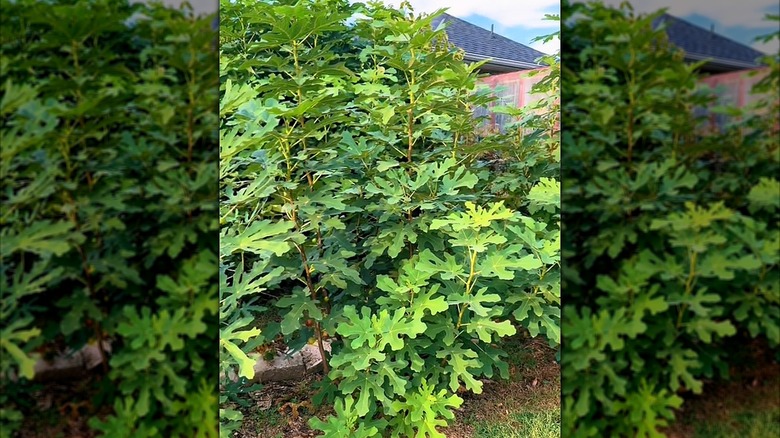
pixel 286 365
pixel 69 364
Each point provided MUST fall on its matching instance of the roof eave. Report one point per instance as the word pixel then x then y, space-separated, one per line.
pixel 473 57
pixel 721 62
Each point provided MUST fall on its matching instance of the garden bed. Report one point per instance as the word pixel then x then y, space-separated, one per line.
pixel 529 398
pixel 746 406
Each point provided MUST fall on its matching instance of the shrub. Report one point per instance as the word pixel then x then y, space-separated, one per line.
pixel 356 195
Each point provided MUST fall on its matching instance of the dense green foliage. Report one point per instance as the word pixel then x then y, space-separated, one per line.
pixel 671 236
pixel 357 198
pixel 109 226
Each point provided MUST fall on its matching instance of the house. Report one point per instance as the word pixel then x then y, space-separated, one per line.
pixel 723 54
pixel 515 89
pixel 733 89
pixel 509 72
pixel 731 70
pixel 479 44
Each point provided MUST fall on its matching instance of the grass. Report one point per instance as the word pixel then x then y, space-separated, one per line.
pixel 744 425
pixel 545 424
pixel 746 406
pixel 526 405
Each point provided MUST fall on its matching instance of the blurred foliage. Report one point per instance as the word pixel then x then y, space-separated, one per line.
pixel 671 233
pixel 109 226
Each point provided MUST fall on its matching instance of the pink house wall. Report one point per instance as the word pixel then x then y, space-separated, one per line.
pixel 512 89
pixel 732 89
pixel 736 86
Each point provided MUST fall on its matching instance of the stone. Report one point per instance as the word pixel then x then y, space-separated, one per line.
pixel 289 366
pixel 312 359
pixel 71 365
pixel 231 374
pixel 91 356
pixel 63 367
pixel 282 367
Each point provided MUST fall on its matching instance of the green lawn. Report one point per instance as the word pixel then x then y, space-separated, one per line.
pixel 545 424
pixel 743 425
pixel 746 406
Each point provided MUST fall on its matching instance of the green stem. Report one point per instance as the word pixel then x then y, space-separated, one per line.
pixel 469 285
pixel 688 286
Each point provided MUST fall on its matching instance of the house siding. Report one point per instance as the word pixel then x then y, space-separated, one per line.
pixel 730 89
pixel 511 89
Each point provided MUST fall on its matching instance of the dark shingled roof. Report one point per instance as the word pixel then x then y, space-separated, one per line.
pixel 699 44
pixel 479 43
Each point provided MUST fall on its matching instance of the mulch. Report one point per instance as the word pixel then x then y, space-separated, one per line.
pixel 63 409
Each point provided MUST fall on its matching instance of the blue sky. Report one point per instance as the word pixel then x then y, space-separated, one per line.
pixel 518 20
pixel 522 20
pixel 740 20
